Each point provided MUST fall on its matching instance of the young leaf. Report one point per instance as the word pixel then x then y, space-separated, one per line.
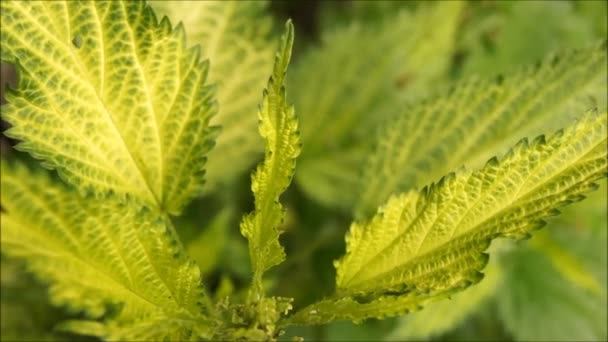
pixel 234 36
pixel 109 97
pixel 477 119
pixel 101 257
pixel 279 128
pixel 429 244
pixel 344 96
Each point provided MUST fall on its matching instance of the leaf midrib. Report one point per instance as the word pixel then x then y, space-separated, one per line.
pixel 589 148
pixel 88 84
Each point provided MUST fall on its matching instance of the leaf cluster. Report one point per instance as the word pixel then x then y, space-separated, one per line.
pixel 431 161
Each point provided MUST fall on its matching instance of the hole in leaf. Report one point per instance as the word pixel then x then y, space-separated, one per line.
pixel 77 42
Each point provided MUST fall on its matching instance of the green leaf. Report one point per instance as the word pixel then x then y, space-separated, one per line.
pixel 536 303
pixel 102 258
pixel 479 118
pixel 428 244
pixel 234 36
pixel 356 78
pixel 441 316
pixel 279 129
pixel 109 97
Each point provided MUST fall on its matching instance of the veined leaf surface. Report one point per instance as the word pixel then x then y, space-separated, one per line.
pixel 480 118
pixel 279 129
pixel 234 36
pixel 109 97
pixel 101 257
pixel 422 245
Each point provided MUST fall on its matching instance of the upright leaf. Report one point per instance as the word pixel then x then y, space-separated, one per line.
pixel 279 128
pixel 110 97
pixel 421 246
pixel 234 36
pixel 102 258
pixel 478 118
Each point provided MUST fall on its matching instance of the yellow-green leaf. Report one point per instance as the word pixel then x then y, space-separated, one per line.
pixel 279 129
pixel 356 78
pixel 427 244
pixel 103 258
pixel 110 97
pixel 234 36
pixel 479 118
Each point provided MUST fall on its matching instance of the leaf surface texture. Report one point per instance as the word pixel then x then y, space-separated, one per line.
pixel 100 257
pixel 234 36
pixel 279 129
pixel 427 244
pixel 110 97
pixel 479 118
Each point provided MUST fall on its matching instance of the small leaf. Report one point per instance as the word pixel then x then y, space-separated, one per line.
pixel 279 128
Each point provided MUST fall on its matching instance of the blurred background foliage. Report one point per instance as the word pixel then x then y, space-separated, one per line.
pixel 551 287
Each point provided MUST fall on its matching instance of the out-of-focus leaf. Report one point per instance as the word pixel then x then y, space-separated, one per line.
pixel 537 303
pixel 510 33
pixel 359 75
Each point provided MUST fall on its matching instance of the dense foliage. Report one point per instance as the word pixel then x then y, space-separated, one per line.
pixel 154 201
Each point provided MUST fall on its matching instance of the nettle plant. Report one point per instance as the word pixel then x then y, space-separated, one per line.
pixel 116 102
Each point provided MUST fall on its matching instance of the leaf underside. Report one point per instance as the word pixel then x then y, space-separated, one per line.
pixel 109 97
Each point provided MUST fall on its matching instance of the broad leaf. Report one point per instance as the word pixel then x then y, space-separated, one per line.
pixel 234 37
pixel 477 119
pixel 425 245
pixel 279 129
pixel 344 96
pixel 101 257
pixel 110 97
